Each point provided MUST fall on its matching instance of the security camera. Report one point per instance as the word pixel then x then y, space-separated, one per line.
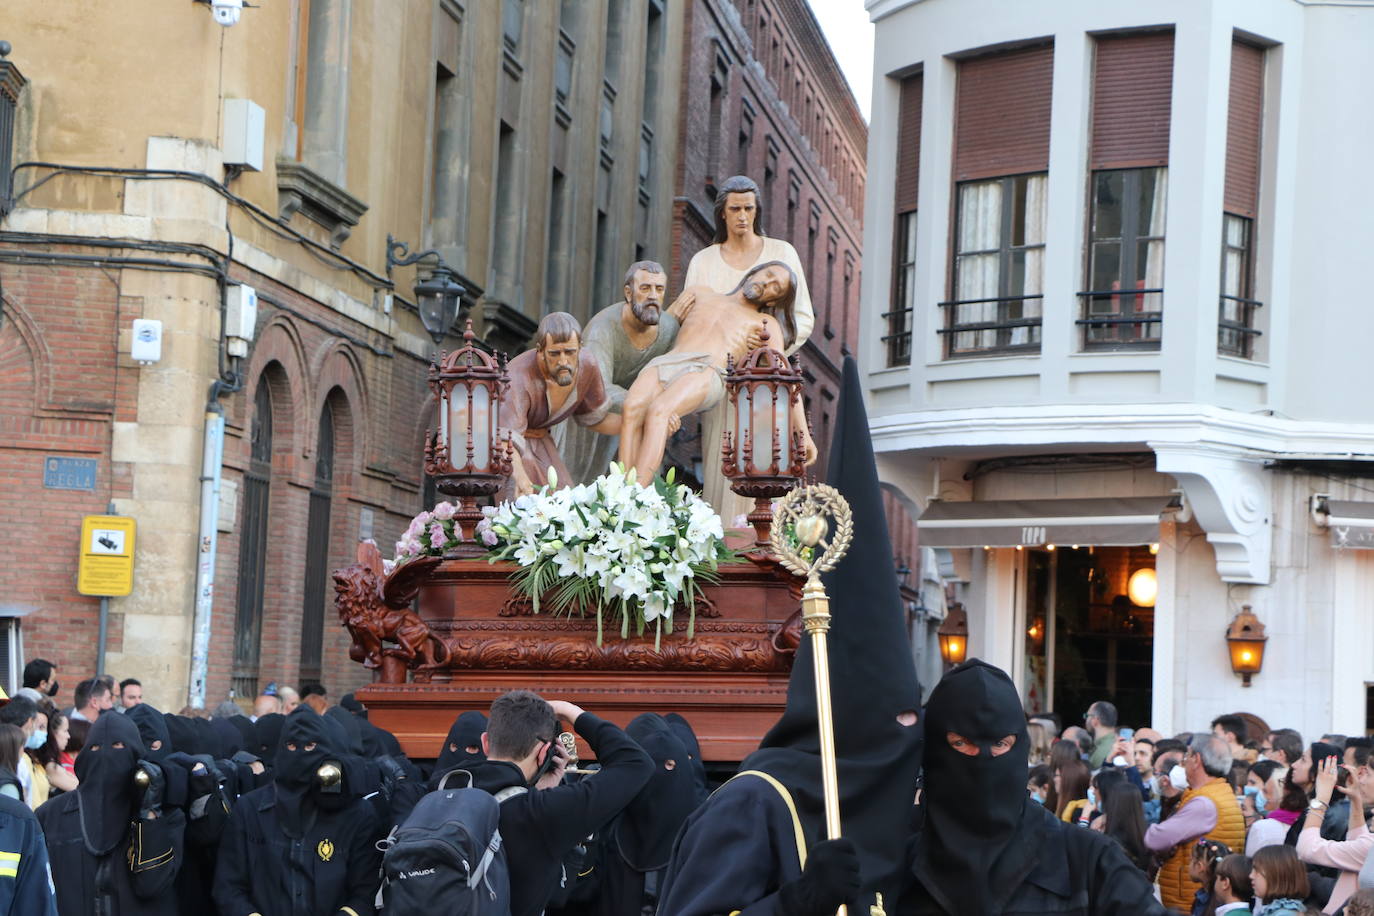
pixel 227 12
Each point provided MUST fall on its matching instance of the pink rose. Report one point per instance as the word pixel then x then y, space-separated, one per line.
pixel 438 537
pixel 489 537
pixel 445 511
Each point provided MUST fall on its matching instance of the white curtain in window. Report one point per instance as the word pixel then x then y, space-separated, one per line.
pixel 980 225
pixel 1154 254
pixel 1034 234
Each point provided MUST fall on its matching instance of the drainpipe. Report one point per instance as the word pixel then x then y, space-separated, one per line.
pixel 206 542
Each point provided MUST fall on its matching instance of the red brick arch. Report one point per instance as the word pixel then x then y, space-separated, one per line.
pixel 23 361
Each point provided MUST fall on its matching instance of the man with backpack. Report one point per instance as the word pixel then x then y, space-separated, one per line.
pixel 305 845
pixel 541 818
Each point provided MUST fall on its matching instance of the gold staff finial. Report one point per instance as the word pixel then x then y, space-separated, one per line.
pixel 801 522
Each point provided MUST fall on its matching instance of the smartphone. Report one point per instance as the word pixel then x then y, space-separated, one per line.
pixel 551 759
pixel 1126 732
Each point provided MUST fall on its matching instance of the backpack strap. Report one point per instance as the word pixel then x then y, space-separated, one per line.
pixel 443 780
pixel 509 792
pixel 800 835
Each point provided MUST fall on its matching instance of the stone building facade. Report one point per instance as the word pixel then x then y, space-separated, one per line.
pixel 538 147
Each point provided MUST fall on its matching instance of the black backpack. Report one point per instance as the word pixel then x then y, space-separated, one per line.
pixel 448 849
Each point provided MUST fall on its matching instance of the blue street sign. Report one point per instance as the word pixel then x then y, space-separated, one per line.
pixel 69 473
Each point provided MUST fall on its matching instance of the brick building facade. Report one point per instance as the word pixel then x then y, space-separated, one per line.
pixel 534 145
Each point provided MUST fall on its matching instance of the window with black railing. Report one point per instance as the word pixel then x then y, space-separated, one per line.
pixel 998 268
pixel 897 340
pixel 1122 306
pixel 1236 330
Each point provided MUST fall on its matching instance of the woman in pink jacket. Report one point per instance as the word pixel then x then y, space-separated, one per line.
pixel 1349 854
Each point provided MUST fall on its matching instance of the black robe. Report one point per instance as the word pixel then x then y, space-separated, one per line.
pixel 1071 870
pixel 141 888
pixel 335 862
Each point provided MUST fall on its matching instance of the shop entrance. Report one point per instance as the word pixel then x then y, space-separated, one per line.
pixel 1090 630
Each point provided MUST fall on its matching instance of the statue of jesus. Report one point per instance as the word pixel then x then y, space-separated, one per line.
pixel 690 377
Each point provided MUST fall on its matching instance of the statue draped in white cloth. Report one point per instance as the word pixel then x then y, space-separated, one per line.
pixel 738 247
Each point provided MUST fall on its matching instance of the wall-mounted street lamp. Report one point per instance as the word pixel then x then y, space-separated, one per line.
pixel 1245 638
pixel 953 635
pixel 438 294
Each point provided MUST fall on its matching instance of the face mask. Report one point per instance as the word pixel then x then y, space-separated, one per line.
pixel 1260 758
pixel 1257 795
pixel 36 740
pixel 52 691
pixel 1038 797
pixel 1092 797
pixel 1178 777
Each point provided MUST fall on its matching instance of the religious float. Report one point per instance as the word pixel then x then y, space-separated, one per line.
pixel 620 597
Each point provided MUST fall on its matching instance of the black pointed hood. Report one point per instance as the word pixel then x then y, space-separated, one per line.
pixel 465 732
pixel 106 797
pixel 307 741
pixel 872 678
pixel 267 735
pixel 645 830
pixel 974 803
pixel 152 728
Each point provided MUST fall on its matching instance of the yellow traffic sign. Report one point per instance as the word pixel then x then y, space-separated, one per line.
pixel 107 556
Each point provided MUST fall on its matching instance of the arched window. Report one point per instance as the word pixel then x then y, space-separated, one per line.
pixel 317 550
pixel 257 486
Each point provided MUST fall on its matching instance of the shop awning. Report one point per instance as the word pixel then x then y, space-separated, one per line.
pixel 1099 522
pixel 1351 523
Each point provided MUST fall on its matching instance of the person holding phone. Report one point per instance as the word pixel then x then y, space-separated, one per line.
pixel 540 827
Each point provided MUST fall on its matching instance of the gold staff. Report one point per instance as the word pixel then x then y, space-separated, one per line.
pixel 801 521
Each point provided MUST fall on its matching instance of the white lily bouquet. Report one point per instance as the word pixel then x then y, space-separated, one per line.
pixel 611 546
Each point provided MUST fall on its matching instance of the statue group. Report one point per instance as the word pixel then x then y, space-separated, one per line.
pixel 620 387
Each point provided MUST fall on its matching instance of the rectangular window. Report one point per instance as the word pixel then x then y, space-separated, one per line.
pixel 508 224
pixel 555 261
pixel 897 340
pixel 1122 307
pixel 998 267
pixel 793 203
pixel 831 252
pixel 897 335
pixel 746 137
pixel 653 59
pixel 1237 333
pixel 1236 324
pixel 563 70
pixel 615 41
pixel 512 21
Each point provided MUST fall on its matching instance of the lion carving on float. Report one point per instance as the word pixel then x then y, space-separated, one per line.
pixel 375 609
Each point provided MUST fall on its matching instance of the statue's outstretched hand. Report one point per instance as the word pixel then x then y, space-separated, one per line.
pixel 811 452
pixel 682 305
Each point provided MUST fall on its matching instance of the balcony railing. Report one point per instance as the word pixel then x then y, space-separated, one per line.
pixel 1125 324
pixel 1009 329
pixel 897 340
pixel 1236 331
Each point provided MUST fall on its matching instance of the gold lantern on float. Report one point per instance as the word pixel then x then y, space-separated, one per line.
pixel 762 454
pixel 466 455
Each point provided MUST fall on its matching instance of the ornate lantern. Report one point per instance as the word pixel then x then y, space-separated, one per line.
pixel 438 298
pixel 465 455
pixel 761 452
pixel 1245 638
pixel 953 635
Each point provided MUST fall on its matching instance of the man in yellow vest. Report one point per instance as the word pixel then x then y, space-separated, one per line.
pixel 1208 809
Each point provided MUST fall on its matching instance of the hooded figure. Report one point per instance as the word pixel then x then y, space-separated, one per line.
pixel 152 729
pixel 462 746
pixel 183 734
pixel 305 845
pixel 268 731
pixel 113 844
pixel 717 867
pixel 985 846
pixel 683 729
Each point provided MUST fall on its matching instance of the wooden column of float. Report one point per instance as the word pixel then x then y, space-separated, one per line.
pixel 480 640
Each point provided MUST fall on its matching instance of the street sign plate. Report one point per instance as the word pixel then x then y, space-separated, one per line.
pixel 61 473
pixel 107 556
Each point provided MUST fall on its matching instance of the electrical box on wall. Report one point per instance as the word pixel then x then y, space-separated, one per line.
pixel 146 346
pixel 244 134
pixel 240 318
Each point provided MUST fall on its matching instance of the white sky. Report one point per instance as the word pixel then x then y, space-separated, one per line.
pixel 850 35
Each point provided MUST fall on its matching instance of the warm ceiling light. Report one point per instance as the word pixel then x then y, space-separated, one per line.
pixel 1154 549
pixel 1143 588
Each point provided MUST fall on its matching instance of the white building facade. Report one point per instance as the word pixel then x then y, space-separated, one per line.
pixel 1114 322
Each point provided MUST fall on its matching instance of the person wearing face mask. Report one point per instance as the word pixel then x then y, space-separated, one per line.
pixel 758 845
pixel 115 844
pixel 304 845
pixel 41 675
pixel 985 848
pixel 1040 783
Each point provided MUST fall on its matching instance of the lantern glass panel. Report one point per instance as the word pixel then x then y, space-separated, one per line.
pixel 469 409
pixel 431 307
pixel 762 424
pixel 741 427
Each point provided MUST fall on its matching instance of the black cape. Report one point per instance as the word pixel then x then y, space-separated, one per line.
pixel 94 849
pixel 872 681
